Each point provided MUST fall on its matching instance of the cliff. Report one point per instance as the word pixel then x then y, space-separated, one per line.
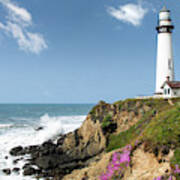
pixel 143 136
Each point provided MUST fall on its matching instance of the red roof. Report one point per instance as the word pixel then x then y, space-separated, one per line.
pixel 172 84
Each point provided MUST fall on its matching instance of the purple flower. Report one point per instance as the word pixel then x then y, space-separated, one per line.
pixel 125 157
pixel 177 170
pixel 103 177
pixel 158 178
pixel 136 143
pixel 118 163
pixel 170 178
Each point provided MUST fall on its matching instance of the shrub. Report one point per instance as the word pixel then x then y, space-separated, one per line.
pixel 107 121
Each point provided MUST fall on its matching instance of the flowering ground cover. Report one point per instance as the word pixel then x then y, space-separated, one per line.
pixel 120 161
pixel 159 128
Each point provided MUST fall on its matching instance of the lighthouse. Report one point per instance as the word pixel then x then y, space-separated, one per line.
pixel 165 63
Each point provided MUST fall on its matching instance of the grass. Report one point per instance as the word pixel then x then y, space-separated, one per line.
pixel 165 128
pixel 106 121
pixel 131 135
pixel 160 126
pixel 176 158
pixel 161 129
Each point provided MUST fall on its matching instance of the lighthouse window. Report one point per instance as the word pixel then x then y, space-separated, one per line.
pixel 168 91
pixel 169 64
pixel 163 29
pixel 164 91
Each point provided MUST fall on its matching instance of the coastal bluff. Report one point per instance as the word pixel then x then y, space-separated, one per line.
pixel 150 128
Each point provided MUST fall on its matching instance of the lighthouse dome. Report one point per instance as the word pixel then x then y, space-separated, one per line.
pixel 165 17
pixel 164 14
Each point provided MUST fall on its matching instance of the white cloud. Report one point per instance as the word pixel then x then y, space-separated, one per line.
pixel 21 13
pixel 16 25
pixel 129 13
pixel 32 42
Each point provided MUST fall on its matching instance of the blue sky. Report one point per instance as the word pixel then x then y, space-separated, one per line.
pixel 66 51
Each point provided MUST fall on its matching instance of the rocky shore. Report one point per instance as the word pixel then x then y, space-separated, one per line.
pixel 85 153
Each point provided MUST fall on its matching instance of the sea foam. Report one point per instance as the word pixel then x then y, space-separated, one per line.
pixel 27 135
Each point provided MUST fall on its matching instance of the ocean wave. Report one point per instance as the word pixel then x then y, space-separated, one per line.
pixel 54 126
pixel 5 125
pixel 51 128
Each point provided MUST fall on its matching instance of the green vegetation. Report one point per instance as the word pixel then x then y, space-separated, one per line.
pixel 165 128
pixel 159 127
pixel 93 110
pixel 176 158
pixel 107 121
pixel 131 135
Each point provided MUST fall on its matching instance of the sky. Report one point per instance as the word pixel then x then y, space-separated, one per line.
pixel 66 51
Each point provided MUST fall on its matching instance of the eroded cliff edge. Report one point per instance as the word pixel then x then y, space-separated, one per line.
pixel 150 126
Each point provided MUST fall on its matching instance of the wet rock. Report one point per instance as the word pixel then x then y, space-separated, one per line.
pixel 29 171
pixel 17 151
pixel 16 170
pixel 31 149
pixel 6 157
pixel 47 162
pixel 6 171
pixel 48 144
pixel 39 129
pixel 26 165
pixel 17 160
pixel 59 150
pixel 60 141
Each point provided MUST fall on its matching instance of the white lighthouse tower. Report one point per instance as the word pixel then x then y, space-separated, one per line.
pixel 165 64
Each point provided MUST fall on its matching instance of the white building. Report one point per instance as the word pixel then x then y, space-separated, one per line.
pixel 171 89
pixel 165 84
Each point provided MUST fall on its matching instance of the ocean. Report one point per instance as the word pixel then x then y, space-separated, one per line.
pixel 19 124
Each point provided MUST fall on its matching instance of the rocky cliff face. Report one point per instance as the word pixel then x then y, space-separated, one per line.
pixel 86 152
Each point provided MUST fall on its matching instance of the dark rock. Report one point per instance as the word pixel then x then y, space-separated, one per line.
pixel 165 150
pixel 70 166
pixel 16 170
pixel 59 150
pixel 39 129
pixel 26 165
pixel 6 171
pixel 29 171
pixel 35 155
pixel 156 151
pixel 17 151
pixel 6 157
pixel 76 136
pixel 31 149
pixel 60 141
pixel 110 129
pixel 17 160
pixel 85 176
pixel 47 162
pixel 48 144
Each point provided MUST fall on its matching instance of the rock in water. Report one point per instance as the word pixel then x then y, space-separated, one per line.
pixel 17 151
pixel 16 170
pixel 29 171
pixel 6 171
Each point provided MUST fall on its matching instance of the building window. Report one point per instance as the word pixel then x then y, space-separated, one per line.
pixel 169 64
pixel 164 91
pixel 168 91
